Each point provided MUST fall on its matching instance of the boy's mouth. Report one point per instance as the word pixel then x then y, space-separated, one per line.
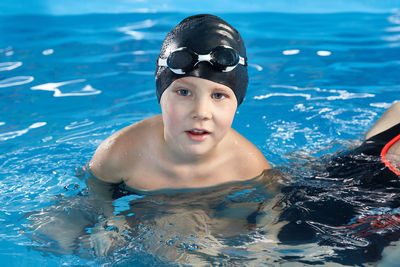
pixel 197 134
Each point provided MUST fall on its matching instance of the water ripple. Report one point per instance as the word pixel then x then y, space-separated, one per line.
pixel 382 105
pixel 132 29
pixel 87 90
pixel 291 52
pixel 48 52
pixel 78 135
pixel 306 96
pixel 341 94
pixel 148 23
pixel 17 80
pixel 395 18
pixel 76 124
pixel 256 66
pixel 13 134
pixel 393 29
pixel 324 53
pixel 10 65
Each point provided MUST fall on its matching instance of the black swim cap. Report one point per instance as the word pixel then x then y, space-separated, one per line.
pixel 201 34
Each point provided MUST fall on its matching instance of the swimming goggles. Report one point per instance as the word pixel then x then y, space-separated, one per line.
pixel 183 59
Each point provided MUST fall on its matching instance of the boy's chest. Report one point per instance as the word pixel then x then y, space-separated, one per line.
pixel 151 175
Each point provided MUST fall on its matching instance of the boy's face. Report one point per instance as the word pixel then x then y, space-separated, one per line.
pixel 197 114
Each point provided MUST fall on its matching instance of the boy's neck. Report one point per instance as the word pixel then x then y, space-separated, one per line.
pixel 178 158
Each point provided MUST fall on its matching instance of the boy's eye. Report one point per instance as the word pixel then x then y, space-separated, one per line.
pixel 183 92
pixel 218 95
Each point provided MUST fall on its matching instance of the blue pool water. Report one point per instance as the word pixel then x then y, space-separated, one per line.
pixel 317 82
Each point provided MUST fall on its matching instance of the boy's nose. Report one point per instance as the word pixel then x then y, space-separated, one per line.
pixel 201 110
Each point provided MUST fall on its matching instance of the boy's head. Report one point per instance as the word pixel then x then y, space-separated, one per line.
pixel 203 46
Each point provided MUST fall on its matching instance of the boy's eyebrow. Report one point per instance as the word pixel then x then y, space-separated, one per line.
pixel 184 82
pixel 222 88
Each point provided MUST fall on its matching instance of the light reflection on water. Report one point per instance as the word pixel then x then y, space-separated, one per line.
pixel 315 88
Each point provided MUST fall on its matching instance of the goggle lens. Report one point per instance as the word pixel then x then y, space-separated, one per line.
pixel 181 59
pixel 224 57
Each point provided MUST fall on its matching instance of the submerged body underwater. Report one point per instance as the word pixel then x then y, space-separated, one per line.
pixel 68 82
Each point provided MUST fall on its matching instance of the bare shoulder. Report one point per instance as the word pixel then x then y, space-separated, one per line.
pixel 389 118
pixel 115 156
pixel 248 159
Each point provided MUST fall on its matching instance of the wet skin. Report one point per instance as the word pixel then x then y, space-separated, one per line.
pixel 191 144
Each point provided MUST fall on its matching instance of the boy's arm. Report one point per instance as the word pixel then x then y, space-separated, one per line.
pixel 107 234
pixel 390 118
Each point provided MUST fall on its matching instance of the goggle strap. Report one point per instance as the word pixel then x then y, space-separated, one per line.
pixel 229 68
pixel 162 62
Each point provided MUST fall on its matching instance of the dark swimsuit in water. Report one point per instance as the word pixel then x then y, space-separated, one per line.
pixel 331 200
pixel 368 164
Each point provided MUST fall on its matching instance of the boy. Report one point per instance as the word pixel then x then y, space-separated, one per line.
pixel 201 78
